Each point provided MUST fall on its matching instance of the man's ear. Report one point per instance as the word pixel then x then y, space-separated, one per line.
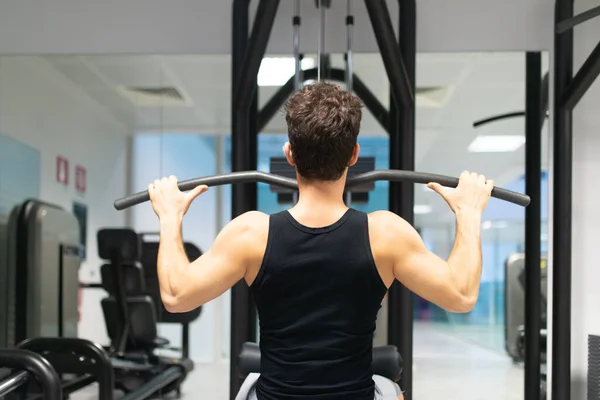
pixel 287 150
pixel 355 154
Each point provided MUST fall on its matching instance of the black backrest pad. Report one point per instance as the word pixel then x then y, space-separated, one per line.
pixel 142 321
pixel 133 278
pixel 124 242
pixel 149 257
pixel 387 361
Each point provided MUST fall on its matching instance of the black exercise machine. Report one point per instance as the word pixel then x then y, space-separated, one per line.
pixel 78 361
pixel 149 257
pixel 20 369
pixel 358 194
pixel 249 360
pixel 131 320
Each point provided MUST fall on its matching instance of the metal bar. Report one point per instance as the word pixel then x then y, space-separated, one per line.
pixel 273 106
pixel 37 366
pixel 254 52
pixel 533 222
pixel 562 209
pixel 240 194
pixel 349 27
pixel 296 21
pixel 357 180
pixel 402 156
pixel 397 73
pixel 583 79
pixel 155 384
pixel 321 62
pixel 252 198
pixel 570 23
pixel 13 382
pixel 78 383
pixel 499 117
pixel 185 340
pixel 545 98
pixel 247 54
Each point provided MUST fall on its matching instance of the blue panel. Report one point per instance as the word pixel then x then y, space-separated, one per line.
pixel 20 169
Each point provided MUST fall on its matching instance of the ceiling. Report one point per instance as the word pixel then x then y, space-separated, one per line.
pixel 29 27
pixel 477 85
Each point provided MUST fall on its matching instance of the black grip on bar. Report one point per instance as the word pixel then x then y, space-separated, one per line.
pixel 421 177
pixel 277 180
pixel 215 180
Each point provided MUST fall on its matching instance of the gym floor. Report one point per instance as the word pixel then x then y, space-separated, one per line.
pixel 446 367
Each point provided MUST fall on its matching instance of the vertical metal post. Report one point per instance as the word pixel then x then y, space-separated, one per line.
pixel 247 54
pixel 533 177
pixel 242 195
pixel 562 209
pixel 401 200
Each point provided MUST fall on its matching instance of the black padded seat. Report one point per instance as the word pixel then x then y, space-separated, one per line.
pixel 387 361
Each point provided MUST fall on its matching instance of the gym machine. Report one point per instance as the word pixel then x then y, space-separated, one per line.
pixel 399 58
pixel 358 194
pixel 39 278
pixel 249 357
pixel 20 369
pixel 514 305
pixel 131 316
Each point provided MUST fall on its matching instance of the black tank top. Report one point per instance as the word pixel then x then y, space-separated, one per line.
pixel 317 294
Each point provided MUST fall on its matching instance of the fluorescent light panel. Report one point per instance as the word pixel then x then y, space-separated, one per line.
pixel 496 143
pixel 276 71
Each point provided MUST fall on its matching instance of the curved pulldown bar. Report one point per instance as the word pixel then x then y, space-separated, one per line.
pixel 288 183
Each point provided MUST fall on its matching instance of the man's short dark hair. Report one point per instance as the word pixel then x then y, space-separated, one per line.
pixel 323 124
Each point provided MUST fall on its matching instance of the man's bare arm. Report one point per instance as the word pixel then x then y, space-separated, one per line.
pixel 452 284
pixel 446 283
pixel 185 286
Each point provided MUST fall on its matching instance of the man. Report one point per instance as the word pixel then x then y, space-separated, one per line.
pixel 319 272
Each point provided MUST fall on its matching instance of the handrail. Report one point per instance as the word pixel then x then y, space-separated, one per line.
pixel 277 180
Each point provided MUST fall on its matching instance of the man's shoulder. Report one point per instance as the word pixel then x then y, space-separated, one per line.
pixel 250 222
pixel 387 225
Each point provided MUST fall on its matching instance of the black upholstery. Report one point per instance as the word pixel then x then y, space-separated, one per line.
pixel 124 242
pixel 123 248
pixel 142 324
pixel 133 278
pixel 387 361
pixel 148 259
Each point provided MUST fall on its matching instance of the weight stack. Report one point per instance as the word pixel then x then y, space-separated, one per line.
pixel 593 375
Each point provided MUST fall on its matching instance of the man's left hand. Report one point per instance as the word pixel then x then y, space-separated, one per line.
pixel 170 202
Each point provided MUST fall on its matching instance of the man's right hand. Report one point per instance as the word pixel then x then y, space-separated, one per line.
pixel 471 195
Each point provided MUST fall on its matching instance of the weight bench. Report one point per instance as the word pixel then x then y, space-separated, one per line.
pixel 387 361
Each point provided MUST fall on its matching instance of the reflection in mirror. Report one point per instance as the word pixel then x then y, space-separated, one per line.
pixel 80 131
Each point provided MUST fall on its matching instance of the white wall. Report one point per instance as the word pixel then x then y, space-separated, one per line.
pixel 585 299
pixel 44 110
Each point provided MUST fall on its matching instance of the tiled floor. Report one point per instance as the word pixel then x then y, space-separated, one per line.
pixel 446 367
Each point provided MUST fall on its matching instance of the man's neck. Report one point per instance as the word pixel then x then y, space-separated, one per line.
pixel 321 196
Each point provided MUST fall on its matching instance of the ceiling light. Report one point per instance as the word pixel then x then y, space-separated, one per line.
pixel 422 209
pixel 496 143
pixel 276 71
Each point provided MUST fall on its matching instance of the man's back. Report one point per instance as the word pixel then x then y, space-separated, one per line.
pixel 317 293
